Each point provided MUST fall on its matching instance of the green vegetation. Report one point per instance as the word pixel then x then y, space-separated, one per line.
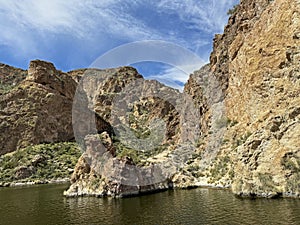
pixel 141 130
pixel 267 183
pixel 39 163
pixel 292 162
pixel 242 139
pixel 293 183
pixel 232 10
pixel 199 142
pixel 124 151
pixel 220 169
pixel 224 122
pixel 233 123
pixel 195 170
pixel 5 88
pixel 137 156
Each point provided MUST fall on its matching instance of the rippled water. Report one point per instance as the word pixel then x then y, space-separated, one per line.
pixel 45 205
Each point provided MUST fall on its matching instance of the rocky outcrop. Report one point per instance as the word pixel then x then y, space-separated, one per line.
pixel 139 155
pixel 38 110
pixel 10 77
pixel 100 174
pixel 38 106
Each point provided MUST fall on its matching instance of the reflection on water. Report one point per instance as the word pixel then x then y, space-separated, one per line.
pixel 46 205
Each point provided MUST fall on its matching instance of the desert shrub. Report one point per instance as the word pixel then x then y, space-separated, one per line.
pixel 233 10
pixel 48 161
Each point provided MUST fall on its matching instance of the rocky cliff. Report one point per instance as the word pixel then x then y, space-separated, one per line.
pixel 235 126
pixel 256 66
pixel 49 106
pixel 38 109
pixel 35 123
pixel 148 141
pixel 10 77
pixel 263 98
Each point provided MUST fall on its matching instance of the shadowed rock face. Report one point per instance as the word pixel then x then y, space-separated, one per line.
pixel 125 162
pixel 43 108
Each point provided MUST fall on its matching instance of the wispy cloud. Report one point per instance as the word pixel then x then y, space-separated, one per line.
pixel 32 28
pixel 172 77
pixel 85 18
pixel 25 23
pixel 175 77
pixel 208 15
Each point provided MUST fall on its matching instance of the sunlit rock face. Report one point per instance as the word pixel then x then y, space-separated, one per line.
pixel 256 64
pixel 37 109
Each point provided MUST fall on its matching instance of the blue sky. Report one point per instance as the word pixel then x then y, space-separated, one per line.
pixel 73 33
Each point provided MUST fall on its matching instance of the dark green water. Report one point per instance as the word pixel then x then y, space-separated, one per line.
pixel 45 205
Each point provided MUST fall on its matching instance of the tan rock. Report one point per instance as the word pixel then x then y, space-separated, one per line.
pixel 256 61
pixel 38 110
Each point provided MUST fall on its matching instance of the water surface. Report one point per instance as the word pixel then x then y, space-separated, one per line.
pixel 45 204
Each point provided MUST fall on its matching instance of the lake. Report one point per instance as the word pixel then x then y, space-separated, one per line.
pixel 45 204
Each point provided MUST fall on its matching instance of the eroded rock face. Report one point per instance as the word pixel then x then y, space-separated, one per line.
pixel 263 93
pixel 10 77
pixel 256 63
pixel 124 100
pixel 39 107
pixel 239 24
pixel 99 173
pixel 38 110
pixel 138 156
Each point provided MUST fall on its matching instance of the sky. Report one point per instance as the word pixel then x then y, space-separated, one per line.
pixel 74 33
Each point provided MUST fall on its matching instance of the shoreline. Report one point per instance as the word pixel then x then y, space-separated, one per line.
pixel 32 183
pixel 211 187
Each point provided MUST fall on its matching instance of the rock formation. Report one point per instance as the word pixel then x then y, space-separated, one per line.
pixel 236 125
pixel 263 98
pixel 256 64
pixel 138 156
pixel 43 108
pixel 38 109
pixel 10 77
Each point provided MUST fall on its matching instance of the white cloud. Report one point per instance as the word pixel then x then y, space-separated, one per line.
pixel 27 25
pixel 84 18
pixel 42 15
pixel 78 17
pixel 168 82
pixel 208 15
pixel 25 22
pixel 176 76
